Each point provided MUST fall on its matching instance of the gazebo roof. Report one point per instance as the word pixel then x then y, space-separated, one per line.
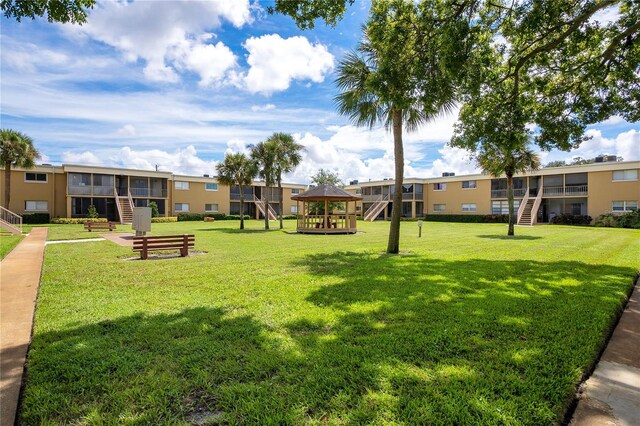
pixel 326 192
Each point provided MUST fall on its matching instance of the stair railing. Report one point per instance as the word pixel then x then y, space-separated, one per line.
pixel 523 203
pixel 376 208
pixel 118 205
pixel 130 200
pixel 13 219
pixel 536 205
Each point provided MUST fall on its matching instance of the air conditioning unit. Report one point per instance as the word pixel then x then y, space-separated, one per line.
pixel 612 158
pixel 448 174
pixel 205 175
pixel 599 159
pixel 353 182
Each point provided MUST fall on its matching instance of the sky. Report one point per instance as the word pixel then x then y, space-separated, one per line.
pixel 176 85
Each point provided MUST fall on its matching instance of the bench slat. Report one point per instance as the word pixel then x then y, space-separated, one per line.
pixel 160 237
pixel 161 247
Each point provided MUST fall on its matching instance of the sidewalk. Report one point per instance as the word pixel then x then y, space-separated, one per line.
pixel 611 396
pixel 19 281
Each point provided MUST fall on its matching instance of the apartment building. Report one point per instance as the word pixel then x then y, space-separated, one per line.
pixel 69 190
pixel 591 189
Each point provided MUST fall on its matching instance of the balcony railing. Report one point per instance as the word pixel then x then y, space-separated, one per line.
pixel 80 190
pixel 558 191
pixel 502 193
pixel 146 192
pixel 103 190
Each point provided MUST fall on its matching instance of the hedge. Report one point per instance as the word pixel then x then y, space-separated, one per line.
pixel 189 217
pixel 571 219
pixel 76 220
pixel 613 220
pixel 35 218
pixel 468 218
pixel 167 219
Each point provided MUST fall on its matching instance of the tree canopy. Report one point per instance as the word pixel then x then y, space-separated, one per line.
pixel 306 12
pixel 64 11
pixel 326 177
pixel 236 169
pixel 16 150
pixel 287 156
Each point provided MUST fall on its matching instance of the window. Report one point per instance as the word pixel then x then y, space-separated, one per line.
pixel 358 191
pixel 625 175
pixel 439 207
pixel 182 207
pixel 469 207
pixel 469 184
pixel 36 206
pixel 210 207
pixel 295 190
pixel 624 206
pixel 294 209
pixel 439 186
pixel 35 177
pixel 502 207
pixel 208 186
pixel 181 185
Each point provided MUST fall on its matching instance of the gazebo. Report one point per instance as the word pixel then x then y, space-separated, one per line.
pixel 325 221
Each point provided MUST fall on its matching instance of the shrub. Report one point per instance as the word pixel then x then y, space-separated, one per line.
pixel 468 218
pixel 236 217
pixel 76 220
pixel 289 217
pixel 613 220
pixel 189 217
pixel 154 209
pixel 216 216
pixel 164 219
pixel 571 219
pixel 35 218
pixel 92 212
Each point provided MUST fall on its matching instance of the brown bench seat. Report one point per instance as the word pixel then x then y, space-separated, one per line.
pixel 146 244
pixel 90 226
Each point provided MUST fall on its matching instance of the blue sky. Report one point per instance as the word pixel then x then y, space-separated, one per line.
pixel 179 84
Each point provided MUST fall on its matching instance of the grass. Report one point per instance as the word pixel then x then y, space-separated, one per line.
pixel 8 243
pixel 464 327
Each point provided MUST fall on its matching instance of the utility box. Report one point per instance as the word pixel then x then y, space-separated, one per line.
pixel 141 220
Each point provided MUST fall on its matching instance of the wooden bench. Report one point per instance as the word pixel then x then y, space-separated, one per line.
pixel 164 242
pixel 90 226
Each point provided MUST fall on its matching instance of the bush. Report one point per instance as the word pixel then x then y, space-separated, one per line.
pixel 468 218
pixel 290 217
pixel 236 217
pixel 92 212
pixel 76 220
pixel 154 209
pixel 216 216
pixel 613 220
pixel 35 218
pixel 571 219
pixel 190 217
pixel 164 219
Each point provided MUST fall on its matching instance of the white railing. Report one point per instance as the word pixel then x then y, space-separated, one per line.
pixel 536 205
pixel 261 204
pixel 375 209
pixel 523 203
pixel 502 193
pixel 11 218
pixel 331 221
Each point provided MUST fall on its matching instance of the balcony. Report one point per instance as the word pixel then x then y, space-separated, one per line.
pixel 103 190
pixel 502 193
pixel 569 190
pixel 146 192
pixel 79 189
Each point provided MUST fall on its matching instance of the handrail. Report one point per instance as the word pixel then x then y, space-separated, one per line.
pixel 377 207
pixel 115 190
pixel 11 218
pixel 130 200
pixel 523 203
pixel 536 205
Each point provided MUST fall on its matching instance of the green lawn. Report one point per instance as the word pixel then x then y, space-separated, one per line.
pixel 8 242
pixel 75 232
pixel 465 327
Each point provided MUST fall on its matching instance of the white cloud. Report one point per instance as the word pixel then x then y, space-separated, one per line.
pixel 625 145
pixel 181 161
pixel 235 146
pixel 169 36
pixel 127 130
pixel 275 62
pixel 85 157
pixel 260 108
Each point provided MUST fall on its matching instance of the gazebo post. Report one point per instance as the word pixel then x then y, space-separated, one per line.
pixel 326 214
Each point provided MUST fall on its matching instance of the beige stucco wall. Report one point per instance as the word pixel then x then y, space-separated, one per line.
pixel 603 190
pixel 454 196
pixel 22 191
pixel 197 196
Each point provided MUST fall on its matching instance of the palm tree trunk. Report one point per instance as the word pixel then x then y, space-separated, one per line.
pixel 7 185
pixel 241 207
pixel 281 200
pixel 266 208
pixel 394 232
pixel 510 201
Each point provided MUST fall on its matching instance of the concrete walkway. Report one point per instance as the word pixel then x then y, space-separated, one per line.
pixel 19 281
pixel 611 396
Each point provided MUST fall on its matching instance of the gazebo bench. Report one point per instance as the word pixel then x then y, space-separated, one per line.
pixel 90 226
pixel 146 244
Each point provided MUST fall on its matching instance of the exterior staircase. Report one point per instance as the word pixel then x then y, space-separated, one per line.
pixel 525 217
pixel 372 212
pixel 528 210
pixel 261 204
pixel 125 209
pixel 10 221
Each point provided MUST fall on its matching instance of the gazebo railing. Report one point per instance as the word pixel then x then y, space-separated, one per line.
pixel 334 221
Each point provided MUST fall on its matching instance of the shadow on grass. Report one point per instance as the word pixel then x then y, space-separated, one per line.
pixel 510 237
pixel 238 231
pixel 403 339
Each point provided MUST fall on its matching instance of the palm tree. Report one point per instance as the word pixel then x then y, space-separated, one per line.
pixel 237 169
pixel 508 160
pixel 403 74
pixel 287 158
pixel 16 151
pixel 263 156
